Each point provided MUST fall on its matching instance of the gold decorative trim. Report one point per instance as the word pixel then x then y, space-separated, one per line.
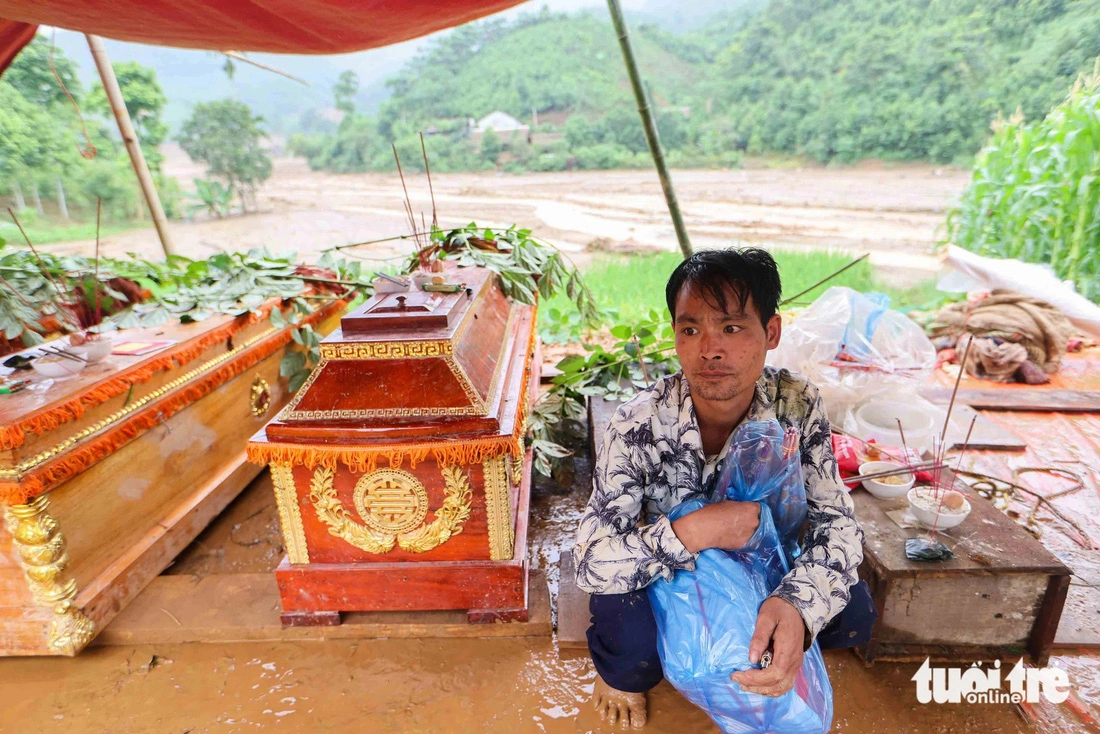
pixel 297 397
pixel 290 515
pixel 517 468
pixel 498 508
pixel 42 555
pixel 318 415
pixel 391 501
pixel 449 518
pixel 15 472
pixel 388 350
pixel 259 398
pixel 476 401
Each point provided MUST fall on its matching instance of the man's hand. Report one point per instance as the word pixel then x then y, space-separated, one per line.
pixel 727 525
pixel 780 626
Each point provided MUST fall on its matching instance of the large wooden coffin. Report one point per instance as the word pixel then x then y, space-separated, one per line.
pixel 399 467
pixel 107 476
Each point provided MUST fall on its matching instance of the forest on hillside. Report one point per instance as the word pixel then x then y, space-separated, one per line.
pixel 832 80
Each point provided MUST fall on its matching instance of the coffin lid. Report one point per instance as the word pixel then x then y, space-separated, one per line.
pixel 416 364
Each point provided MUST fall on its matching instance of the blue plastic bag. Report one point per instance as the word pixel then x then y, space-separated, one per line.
pixel 706 617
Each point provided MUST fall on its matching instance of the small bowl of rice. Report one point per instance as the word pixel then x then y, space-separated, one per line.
pixel 886 488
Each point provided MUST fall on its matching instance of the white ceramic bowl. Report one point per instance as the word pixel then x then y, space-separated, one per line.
pixel 931 513
pixel 95 350
pixel 881 488
pixel 878 419
pixel 57 368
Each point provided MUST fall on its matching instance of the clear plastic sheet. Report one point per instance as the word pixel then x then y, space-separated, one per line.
pixel 706 617
pixel 854 347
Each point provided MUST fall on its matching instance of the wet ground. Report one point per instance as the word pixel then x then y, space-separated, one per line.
pixel 495 686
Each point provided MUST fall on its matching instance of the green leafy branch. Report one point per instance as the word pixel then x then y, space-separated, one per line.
pixel 641 354
pixel 526 265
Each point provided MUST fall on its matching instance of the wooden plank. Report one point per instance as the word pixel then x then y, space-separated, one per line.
pixel 23 630
pixel 1080 625
pixel 108 509
pixel 124 579
pixel 245 607
pixel 984 610
pixel 1026 399
pixel 988 435
pixel 1047 621
pixel 574 618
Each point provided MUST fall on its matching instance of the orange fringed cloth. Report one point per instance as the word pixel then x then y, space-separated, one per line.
pixel 41 442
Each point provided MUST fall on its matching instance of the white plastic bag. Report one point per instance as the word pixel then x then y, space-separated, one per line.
pixel 853 347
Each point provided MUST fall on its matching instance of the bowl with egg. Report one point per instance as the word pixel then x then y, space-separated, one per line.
pixel 940 510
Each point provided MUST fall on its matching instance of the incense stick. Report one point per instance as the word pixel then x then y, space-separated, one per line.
pixel 95 282
pixel 955 390
pixel 966 443
pixel 41 263
pixel 826 279
pixel 876 447
pixel 904 445
pixel 912 469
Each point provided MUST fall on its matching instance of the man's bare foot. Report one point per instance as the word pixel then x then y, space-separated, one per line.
pixel 628 709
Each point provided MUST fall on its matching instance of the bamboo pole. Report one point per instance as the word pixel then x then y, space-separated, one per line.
pixel 650 126
pixel 130 139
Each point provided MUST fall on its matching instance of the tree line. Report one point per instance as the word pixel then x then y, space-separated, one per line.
pixel 60 153
pixel 831 80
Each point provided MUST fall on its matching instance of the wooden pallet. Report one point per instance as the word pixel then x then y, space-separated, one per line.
pixel 244 607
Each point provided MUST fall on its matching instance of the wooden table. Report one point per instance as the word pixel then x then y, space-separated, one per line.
pixel 1001 596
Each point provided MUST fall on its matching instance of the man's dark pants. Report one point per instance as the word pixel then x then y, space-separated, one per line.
pixel 623 635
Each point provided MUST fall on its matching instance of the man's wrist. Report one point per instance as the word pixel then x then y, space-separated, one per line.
pixel 685 529
pixel 808 638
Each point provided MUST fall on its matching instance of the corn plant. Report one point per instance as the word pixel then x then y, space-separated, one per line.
pixel 1035 193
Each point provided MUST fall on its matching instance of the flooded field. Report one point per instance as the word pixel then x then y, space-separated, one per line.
pixel 892 211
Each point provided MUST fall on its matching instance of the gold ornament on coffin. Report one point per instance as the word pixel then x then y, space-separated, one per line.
pixel 391 501
pixel 260 397
pixel 393 504
pixel 41 548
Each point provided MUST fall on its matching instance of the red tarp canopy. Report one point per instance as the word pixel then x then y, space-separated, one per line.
pixel 277 26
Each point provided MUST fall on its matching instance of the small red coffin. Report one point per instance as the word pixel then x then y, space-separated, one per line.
pixel 399 468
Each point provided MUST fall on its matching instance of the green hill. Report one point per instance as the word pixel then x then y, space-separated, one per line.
pixel 834 80
pixel 910 79
pixel 545 62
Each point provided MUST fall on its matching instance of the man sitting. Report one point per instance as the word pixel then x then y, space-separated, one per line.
pixel 665 446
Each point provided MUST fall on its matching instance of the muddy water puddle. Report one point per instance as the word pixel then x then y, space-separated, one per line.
pixel 383 686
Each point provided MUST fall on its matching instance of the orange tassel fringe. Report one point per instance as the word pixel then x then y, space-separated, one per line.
pixel 37 481
pixel 15 434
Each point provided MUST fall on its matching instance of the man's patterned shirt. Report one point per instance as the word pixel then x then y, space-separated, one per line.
pixel 651 459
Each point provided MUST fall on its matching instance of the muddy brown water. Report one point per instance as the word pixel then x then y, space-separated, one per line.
pixel 495 686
